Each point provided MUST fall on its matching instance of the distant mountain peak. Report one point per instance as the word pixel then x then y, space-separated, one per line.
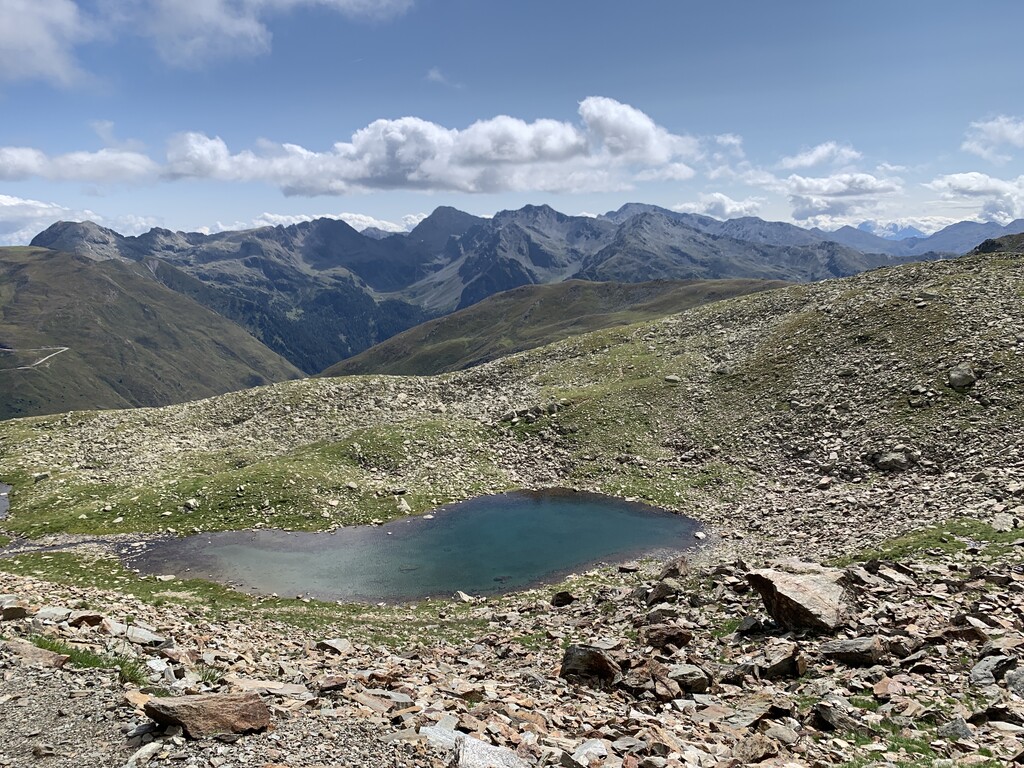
pixel 86 238
pixel 891 231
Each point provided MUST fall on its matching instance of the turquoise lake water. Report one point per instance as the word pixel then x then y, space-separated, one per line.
pixel 486 545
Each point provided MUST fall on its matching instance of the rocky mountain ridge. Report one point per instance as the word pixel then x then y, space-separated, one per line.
pixel 318 292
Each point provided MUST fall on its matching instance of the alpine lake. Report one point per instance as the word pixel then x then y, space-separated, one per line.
pixel 487 545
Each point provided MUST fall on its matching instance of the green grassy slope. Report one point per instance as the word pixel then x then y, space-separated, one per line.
pixel 532 316
pixel 769 411
pixel 131 341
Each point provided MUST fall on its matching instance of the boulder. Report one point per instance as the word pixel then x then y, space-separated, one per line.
pixel 337 645
pixel 590 664
pixel 991 668
pixel 689 677
pixel 12 607
pixel 211 714
pixel 804 596
pixel 663 635
pixel 473 753
pixel 857 651
pixel 961 377
pixel 780 659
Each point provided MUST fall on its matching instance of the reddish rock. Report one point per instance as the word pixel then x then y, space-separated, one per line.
pixel 211 714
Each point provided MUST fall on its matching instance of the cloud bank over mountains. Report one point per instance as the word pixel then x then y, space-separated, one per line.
pixel 612 147
pixel 601 146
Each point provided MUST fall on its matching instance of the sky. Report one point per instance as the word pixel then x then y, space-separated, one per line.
pixel 204 115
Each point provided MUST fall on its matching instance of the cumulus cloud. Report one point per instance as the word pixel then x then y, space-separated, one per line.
pixel 358 221
pixel 818 200
pixel 105 165
pixel 624 131
pixel 410 220
pixel 613 145
pixel 846 196
pixel 721 206
pixel 21 219
pixel 37 40
pixel 986 138
pixel 829 152
pixel 998 200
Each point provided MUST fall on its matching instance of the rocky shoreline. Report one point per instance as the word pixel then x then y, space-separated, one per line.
pixel 908 662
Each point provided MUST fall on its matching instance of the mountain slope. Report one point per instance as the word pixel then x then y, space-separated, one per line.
pixel 318 292
pixel 820 415
pixel 306 291
pixel 531 316
pixel 129 340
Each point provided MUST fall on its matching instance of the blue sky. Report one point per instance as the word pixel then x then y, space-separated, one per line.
pixel 211 114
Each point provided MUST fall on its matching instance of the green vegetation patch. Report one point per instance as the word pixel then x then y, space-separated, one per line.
pixel 128 670
pixel 940 540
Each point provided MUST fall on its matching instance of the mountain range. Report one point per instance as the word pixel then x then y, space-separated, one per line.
pixel 320 291
pixel 168 316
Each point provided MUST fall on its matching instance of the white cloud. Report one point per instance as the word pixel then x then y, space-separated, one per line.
pixel 624 131
pixel 841 185
pixel 821 200
pixel 189 33
pixel 985 138
pixel 105 165
pixel 37 40
pixel 410 220
pixel 721 206
pixel 21 219
pixel 999 200
pixel 829 152
pixel 615 145
pixel 38 37
pixel 435 75
pixel 358 221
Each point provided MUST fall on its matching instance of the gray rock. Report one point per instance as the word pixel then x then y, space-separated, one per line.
pixel 52 615
pixel 782 734
pixel 1015 681
pixel 689 677
pixel 1003 523
pixel 473 753
pixel 955 730
pixel 812 599
pixel 892 461
pixel 590 751
pixel 961 377
pixel 590 664
pixel 337 645
pixel 991 668
pixel 862 651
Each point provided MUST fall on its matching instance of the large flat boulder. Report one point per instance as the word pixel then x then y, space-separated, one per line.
pixel 211 714
pixel 801 595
